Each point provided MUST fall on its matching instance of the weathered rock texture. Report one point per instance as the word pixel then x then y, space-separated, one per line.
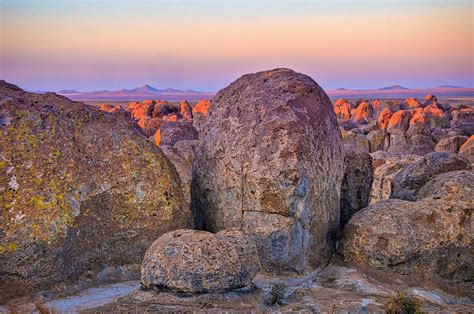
pixel 181 155
pixel 270 161
pixel 200 261
pixel 80 190
pixel 173 132
pixel 412 177
pixel 451 144
pixel 433 235
pixel 385 169
pixel 200 113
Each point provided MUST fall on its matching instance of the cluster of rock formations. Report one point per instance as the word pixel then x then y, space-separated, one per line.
pixel 409 127
pixel 269 178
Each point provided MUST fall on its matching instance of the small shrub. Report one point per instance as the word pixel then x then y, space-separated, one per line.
pixel 277 294
pixel 402 304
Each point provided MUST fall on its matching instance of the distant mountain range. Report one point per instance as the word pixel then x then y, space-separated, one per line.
pixel 137 93
pixel 397 91
pixel 151 92
pixel 393 87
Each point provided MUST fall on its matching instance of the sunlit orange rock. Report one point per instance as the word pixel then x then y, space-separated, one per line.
pixel 117 110
pixel 431 100
pixel 106 107
pixel 142 110
pixel 157 137
pixel 437 117
pixel 419 123
pixel 200 113
pixel 170 118
pixel 376 104
pixel 343 108
pixel 132 105
pixel 384 118
pixel 202 107
pixel 399 122
pixel 186 111
pixel 363 113
pixel 412 103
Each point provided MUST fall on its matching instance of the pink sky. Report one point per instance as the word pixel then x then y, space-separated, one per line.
pixel 204 45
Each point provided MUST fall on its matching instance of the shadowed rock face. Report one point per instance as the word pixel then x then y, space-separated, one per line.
pixel 412 177
pixel 356 184
pixel 173 132
pixel 463 121
pixel 199 261
pixel 270 160
pixel 80 190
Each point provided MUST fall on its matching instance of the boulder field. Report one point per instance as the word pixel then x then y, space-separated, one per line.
pixel 407 127
pixel 267 196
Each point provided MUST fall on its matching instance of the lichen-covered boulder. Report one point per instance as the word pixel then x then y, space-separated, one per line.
pixel 432 235
pixel 199 261
pixel 80 190
pixel 376 140
pixel 355 142
pixel 412 177
pixel 270 160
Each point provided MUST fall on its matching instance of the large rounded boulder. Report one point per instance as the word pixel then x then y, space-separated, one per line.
pixel 270 161
pixel 199 261
pixel 432 235
pixel 80 190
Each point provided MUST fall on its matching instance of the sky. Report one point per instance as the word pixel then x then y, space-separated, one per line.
pixel 205 45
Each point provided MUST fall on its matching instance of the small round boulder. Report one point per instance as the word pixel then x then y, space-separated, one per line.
pixel 199 261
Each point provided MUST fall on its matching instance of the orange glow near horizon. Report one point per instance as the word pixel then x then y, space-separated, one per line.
pixel 207 49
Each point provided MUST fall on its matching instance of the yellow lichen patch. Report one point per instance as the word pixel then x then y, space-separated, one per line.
pixel 345 135
pixel 11 246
